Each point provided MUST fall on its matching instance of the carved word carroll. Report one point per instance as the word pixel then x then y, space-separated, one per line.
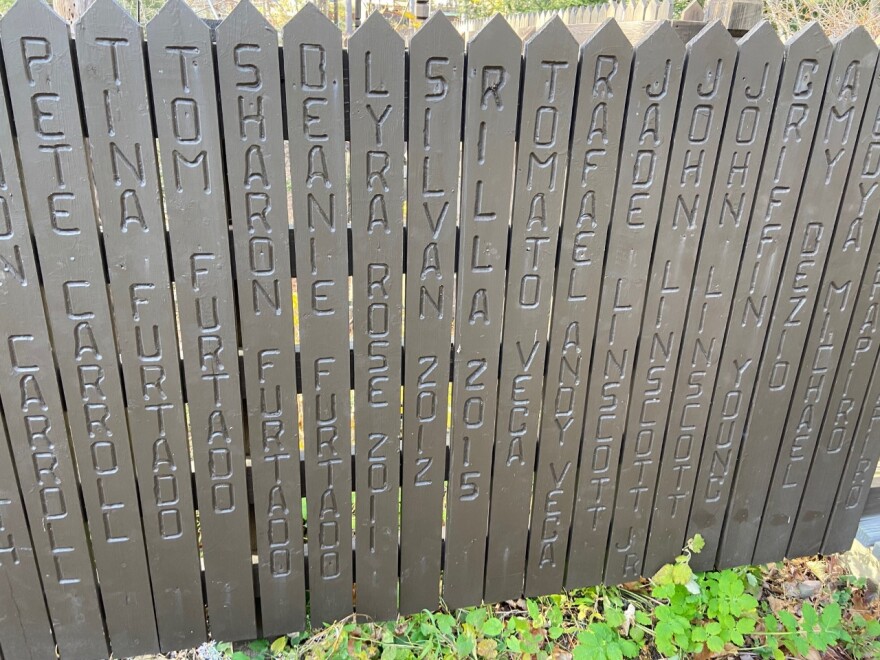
pixel 296 326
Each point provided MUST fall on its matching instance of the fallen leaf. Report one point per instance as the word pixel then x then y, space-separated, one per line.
pixel 629 617
pixel 487 648
pixel 809 588
pixel 705 654
pixel 560 654
pixel 819 568
pixel 802 589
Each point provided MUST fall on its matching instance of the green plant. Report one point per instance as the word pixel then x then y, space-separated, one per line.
pixel 701 611
pixel 820 630
pixel 676 614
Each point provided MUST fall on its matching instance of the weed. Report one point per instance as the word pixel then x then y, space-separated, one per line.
pixel 676 614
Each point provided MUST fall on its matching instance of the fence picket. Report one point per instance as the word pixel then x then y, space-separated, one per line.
pixel 37 432
pixel 493 77
pixel 849 82
pixel 376 81
pixel 796 298
pixel 800 94
pixel 185 94
pixel 436 63
pixel 712 243
pixel 709 71
pixel 124 169
pixel 842 377
pixel 250 92
pixel 600 107
pixel 316 125
pixel 45 106
pixel 538 195
pixel 749 115
pixel 24 621
pixel 654 88
pixel 860 467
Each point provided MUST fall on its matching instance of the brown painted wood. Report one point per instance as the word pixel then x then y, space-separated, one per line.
pixel 735 14
pixel 855 485
pixel 185 99
pixel 693 12
pixel 110 56
pixel 841 354
pixel 43 95
pixel 376 83
pixel 253 128
pixel 636 30
pixel 315 104
pixel 491 98
pixel 436 66
pixel 749 114
pixel 702 275
pixel 852 66
pixel 37 432
pixel 705 90
pixel 654 89
pixel 808 56
pixel 25 631
pixel 600 107
pixel 549 75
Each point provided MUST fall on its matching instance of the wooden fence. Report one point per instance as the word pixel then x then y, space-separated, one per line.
pixel 636 10
pixel 635 17
pixel 637 286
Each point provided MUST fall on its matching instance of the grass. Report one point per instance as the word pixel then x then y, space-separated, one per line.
pixel 835 16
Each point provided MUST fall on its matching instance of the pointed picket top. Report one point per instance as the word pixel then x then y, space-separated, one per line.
pixel 311 21
pixel 245 18
pixel 377 28
pixel 855 46
pixel 693 12
pixel 658 10
pixel 761 36
pixel 553 36
pixel 659 35
pixel 438 29
pixel 33 17
pixel 632 10
pixel 856 40
pixel 176 18
pixel 497 28
pixel 808 39
pixel 608 35
pixel 712 41
pixel 104 15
